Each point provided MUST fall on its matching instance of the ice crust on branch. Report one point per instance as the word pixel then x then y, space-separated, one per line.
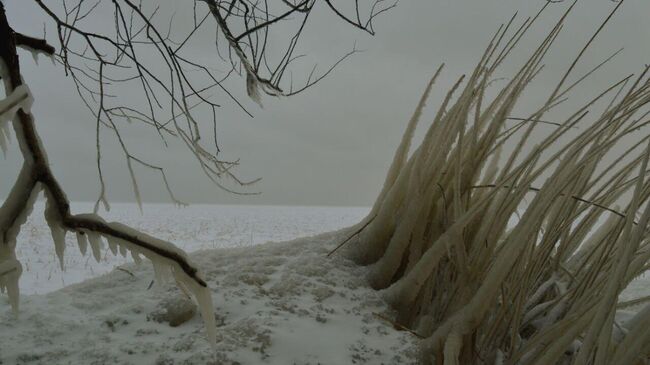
pixel 89 229
pixel 19 98
pixel 9 229
pixel 164 268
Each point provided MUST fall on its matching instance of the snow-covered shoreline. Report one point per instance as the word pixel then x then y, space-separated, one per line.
pixel 197 227
pixel 277 303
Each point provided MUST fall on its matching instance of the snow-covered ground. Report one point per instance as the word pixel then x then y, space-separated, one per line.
pixel 192 228
pixel 276 303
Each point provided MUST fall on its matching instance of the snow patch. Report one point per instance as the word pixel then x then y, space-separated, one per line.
pixel 279 303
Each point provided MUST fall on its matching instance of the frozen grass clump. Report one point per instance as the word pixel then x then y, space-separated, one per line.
pixel 517 257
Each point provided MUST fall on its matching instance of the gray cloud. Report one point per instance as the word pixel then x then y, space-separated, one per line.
pixel 332 144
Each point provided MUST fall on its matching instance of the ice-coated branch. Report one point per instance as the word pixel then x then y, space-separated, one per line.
pixel 37 173
pixel 248 48
pixel 174 81
pixel 20 98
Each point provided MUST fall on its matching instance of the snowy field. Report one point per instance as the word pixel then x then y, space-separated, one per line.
pixel 192 228
pixel 276 303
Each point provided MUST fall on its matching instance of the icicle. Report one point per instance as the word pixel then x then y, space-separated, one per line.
pixel 3 140
pixel 82 241
pixel 204 300
pixel 7 130
pixel 35 56
pixel 163 266
pixel 123 250
pixel 58 235
pixel 10 271
pixel 95 244
pixel 157 272
pixel 252 88
pixel 183 288
pixel 58 232
pixel 35 52
pixel 136 257
pixel 112 244
pixel 9 239
pixel 5 137
pixel 160 269
pixel 150 240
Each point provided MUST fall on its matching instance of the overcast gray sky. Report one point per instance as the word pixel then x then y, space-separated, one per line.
pixel 332 144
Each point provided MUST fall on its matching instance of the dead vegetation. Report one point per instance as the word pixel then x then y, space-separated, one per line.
pixel 503 258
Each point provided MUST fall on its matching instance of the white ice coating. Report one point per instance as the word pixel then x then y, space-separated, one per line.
pixel 82 242
pixel 95 245
pixel 20 98
pixel 10 271
pixel 56 228
pixel 252 88
pixel 123 250
pixel 136 257
pixel 112 244
pixel 203 298
pixel 5 137
pixel 10 267
pixel 35 53
pixel 164 268
pixel 161 244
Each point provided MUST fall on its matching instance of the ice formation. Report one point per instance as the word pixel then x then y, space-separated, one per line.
pixel 164 267
pixel 20 98
pixel 56 228
pixel 35 53
pixel 448 247
pixel 95 241
pixel 10 271
pixel 82 241
pixel 9 277
pixel 89 229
